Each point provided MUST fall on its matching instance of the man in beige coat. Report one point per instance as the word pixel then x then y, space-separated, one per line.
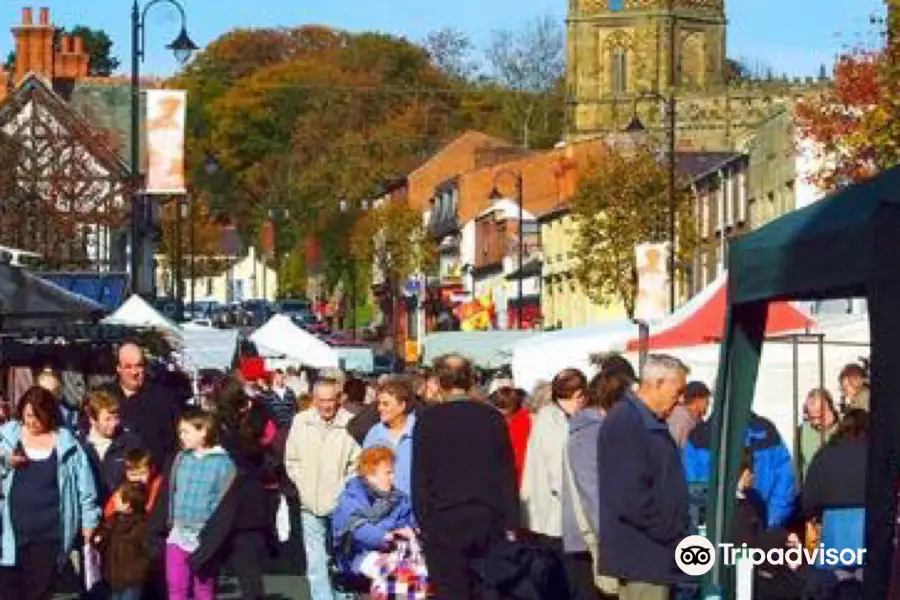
pixel 320 457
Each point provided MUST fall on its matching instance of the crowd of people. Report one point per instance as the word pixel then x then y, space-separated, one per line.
pixel 579 489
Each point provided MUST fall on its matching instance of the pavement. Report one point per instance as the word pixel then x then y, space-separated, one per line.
pixel 284 579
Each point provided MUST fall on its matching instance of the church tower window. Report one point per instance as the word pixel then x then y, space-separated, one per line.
pixel 619 71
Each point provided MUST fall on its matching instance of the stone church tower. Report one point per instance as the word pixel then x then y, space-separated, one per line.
pixel 620 64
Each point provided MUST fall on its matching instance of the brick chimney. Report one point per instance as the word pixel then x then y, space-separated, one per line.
pixel 72 62
pixel 34 45
pixel 35 52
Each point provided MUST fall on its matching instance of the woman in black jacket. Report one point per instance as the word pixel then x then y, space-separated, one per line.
pixel 241 531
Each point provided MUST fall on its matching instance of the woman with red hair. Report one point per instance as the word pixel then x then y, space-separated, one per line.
pixel 371 513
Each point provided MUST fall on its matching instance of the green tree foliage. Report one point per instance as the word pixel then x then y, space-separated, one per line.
pixel 622 201
pixel 98 45
pixel 394 239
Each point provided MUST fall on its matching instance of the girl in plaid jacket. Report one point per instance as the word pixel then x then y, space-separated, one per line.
pixel 201 475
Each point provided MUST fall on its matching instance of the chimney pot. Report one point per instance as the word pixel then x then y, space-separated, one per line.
pixel 27 16
pixel 77 44
pixel 45 16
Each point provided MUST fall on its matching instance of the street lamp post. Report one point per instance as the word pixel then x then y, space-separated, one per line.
pixel 635 126
pixel 183 47
pixel 495 195
pixel 193 253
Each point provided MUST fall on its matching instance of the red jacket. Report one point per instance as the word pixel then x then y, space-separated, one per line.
pixel 519 426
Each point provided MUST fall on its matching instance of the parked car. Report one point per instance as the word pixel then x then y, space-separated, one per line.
pixel 311 323
pixel 293 307
pixel 201 309
pixel 386 364
pixel 257 312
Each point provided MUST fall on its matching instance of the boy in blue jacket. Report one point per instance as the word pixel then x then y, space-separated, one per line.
pixel 774 479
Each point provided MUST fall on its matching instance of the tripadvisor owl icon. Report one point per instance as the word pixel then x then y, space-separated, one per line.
pixel 695 555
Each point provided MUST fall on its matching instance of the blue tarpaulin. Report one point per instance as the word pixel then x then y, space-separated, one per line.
pixel 108 289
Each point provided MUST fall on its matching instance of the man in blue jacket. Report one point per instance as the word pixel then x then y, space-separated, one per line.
pixel 773 471
pixel 643 509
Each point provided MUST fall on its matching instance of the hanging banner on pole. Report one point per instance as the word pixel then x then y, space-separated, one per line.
pixel 652 301
pixel 166 111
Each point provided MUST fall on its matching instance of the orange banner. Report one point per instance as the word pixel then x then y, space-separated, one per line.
pixel 166 111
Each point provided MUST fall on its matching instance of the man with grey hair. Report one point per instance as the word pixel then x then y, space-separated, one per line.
pixel 643 510
pixel 320 457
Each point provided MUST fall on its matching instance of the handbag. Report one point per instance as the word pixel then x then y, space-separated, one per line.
pixel 402 574
pixel 606 584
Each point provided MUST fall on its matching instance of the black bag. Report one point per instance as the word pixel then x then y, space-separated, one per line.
pixel 524 571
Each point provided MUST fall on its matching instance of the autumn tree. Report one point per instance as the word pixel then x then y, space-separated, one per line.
pixel 392 238
pixel 846 123
pixel 622 201
pixel 176 237
pixel 854 126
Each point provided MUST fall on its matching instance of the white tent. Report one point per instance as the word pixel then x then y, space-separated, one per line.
pixel 281 339
pixel 136 312
pixel 541 357
pixel 208 347
pixel 846 340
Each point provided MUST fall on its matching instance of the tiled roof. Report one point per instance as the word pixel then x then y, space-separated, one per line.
pixel 696 165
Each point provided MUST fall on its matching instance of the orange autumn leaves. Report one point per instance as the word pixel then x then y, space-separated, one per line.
pixel 854 125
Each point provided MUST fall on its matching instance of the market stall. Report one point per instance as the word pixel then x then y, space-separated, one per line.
pixel 487 349
pixel 285 344
pixel 841 247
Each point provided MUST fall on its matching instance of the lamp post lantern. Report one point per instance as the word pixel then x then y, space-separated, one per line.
pixel 183 47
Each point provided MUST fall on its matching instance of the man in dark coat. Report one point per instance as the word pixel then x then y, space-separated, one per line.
pixel 643 509
pixel 464 482
pixel 148 409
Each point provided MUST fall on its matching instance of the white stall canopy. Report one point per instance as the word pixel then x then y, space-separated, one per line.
pixel 208 347
pixel 136 312
pixel 283 343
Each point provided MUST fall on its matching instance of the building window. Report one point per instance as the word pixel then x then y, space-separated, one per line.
pixel 742 196
pixel 209 286
pixel 619 71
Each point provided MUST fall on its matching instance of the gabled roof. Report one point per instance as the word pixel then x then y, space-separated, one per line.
pixel 470 136
pixel 34 88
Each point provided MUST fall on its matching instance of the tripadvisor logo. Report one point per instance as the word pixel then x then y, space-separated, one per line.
pixel 696 556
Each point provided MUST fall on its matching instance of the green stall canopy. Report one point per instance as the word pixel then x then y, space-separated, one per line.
pixel 846 245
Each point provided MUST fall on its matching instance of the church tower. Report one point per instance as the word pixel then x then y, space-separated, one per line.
pixel 619 57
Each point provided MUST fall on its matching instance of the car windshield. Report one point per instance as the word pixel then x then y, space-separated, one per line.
pixel 295 305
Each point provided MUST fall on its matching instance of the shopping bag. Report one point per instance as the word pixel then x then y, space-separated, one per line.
pixel 93 566
pixel 283 521
pixel 402 574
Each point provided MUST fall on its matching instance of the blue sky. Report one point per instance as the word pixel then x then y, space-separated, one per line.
pixel 790 36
